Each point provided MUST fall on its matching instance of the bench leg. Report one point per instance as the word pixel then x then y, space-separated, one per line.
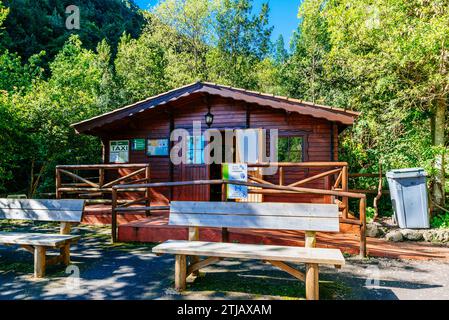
pixel 194 235
pixel 312 285
pixel 180 272
pixel 65 254
pixel 39 261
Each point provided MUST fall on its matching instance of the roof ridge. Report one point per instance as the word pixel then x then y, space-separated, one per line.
pixel 289 99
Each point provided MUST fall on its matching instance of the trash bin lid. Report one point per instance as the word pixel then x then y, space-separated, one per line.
pixel 406 173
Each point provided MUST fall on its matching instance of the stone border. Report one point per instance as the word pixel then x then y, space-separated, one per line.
pixel 378 230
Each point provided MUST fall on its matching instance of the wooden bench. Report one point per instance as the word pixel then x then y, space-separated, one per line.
pixel 273 216
pixel 66 212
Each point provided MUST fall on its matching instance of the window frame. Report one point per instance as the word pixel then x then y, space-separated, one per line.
pixel 304 135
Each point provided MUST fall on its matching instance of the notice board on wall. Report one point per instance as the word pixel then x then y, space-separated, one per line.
pixel 158 147
pixel 119 151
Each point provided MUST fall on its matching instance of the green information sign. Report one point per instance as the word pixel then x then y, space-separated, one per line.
pixel 138 145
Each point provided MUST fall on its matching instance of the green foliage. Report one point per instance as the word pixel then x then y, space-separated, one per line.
pixel 172 50
pixel 141 67
pixel 385 58
pixel 34 26
pixel 440 221
pixel 44 137
pixel 370 212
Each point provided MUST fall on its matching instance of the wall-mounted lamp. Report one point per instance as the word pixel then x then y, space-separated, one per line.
pixel 209 117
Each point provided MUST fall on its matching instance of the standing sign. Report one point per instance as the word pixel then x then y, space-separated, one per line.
pixel 119 151
pixel 238 172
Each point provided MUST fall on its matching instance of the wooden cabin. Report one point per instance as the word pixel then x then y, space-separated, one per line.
pixel 140 133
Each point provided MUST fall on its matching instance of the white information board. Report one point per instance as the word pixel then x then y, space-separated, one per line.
pixel 119 151
pixel 237 172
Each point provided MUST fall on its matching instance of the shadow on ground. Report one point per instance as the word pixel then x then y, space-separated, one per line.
pixel 101 270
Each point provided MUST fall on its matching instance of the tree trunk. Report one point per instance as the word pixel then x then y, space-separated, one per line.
pixel 439 139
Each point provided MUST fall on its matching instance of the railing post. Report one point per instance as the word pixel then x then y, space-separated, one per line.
pixel 101 177
pixel 362 216
pixel 224 198
pixel 148 191
pixel 114 215
pixel 58 183
pixel 281 176
pixel 344 187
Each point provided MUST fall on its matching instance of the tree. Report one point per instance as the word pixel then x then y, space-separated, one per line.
pixel 141 67
pixel 280 54
pixel 304 73
pixel 185 30
pixel 243 40
pixel 72 93
pixel 395 52
pixel 35 26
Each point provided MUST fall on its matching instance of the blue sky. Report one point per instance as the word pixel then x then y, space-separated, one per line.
pixel 283 15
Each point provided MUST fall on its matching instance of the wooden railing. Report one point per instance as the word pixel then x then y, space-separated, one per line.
pixel 72 180
pixel 256 188
pixel 336 177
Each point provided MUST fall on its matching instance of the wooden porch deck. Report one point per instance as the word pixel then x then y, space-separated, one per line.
pixel 138 228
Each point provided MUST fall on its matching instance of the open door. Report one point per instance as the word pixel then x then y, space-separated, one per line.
pixel 249 148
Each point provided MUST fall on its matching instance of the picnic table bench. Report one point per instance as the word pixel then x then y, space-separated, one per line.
pixel 64 211
pixel 271 216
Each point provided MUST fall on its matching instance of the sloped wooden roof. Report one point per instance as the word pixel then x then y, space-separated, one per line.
pixel 341 116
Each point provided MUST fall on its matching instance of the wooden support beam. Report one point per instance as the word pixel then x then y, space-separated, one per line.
pixel 77 177
pixel 259 180
pixel 130 203
pixel 65 228
pixel 290 270
pixel 315 177
pixel 310 239
pixel 312 281
pixel 28 248
pixel 338 180
pixel 54 260
pixel 58 184
pixel 224 235
pixel 148 191
pixel 65 254
pixel 114 216
pixel 137 209
pixel 180 272
pixel 195 267
pixel 362 216
pixel 281 176
pixel 39 261
pixel 101 177
pixel 344 187
pixel 194 235
pixel 117 181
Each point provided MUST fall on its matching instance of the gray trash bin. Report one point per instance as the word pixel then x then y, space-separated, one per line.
pixel 409 197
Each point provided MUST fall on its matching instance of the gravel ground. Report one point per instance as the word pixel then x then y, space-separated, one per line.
pixel 131 271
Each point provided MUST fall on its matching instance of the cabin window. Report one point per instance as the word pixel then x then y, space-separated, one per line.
pixel 195 150
pixel 290 149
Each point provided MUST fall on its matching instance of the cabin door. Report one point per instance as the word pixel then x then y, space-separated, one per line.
pixel 246 148
pixel 195 169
